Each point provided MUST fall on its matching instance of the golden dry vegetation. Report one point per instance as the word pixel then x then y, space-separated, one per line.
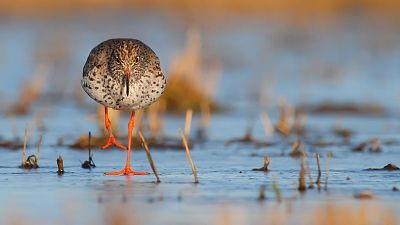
pixel 309 8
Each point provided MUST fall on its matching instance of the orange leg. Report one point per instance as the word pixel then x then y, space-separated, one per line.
pixel 127 170
pixel 111 139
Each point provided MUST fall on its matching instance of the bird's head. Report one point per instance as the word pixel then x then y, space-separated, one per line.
pixel 126 65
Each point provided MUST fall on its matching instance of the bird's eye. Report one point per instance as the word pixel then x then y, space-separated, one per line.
pixel 137 59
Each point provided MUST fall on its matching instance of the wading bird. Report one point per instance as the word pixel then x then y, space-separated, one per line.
pixel 123 74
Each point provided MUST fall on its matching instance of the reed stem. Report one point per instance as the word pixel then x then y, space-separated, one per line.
pixel 24 150
pixel 146 148
pixel 185 144
pixel 318 182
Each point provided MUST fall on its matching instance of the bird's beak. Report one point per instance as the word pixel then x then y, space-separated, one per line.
pixel 127 77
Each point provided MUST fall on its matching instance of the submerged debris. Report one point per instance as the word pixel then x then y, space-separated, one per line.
pixel 373 145
pixel 266 164
pixel 89 164
pixel 391 167
pixel 387 167
pixel 60 165
pixel 30 163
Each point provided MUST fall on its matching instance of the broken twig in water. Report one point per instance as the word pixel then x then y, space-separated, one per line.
pixel 302 179
pixel 89 164
pixel 146 148
pixel 60 165
pixel 185 144
pixel 318 182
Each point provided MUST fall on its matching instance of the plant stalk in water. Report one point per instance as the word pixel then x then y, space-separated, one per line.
pixel 146 148
pixel 185 144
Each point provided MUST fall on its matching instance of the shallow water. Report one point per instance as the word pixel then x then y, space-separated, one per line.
pixel 261 58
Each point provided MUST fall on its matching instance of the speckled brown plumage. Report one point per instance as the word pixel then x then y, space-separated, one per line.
pixel 123 74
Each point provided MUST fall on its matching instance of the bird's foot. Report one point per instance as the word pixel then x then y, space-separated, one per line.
pixel 127 171
pixel 113 141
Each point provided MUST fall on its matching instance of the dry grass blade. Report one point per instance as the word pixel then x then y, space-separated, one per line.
pixel 185 144
pixel 146 148
pixel 24 150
